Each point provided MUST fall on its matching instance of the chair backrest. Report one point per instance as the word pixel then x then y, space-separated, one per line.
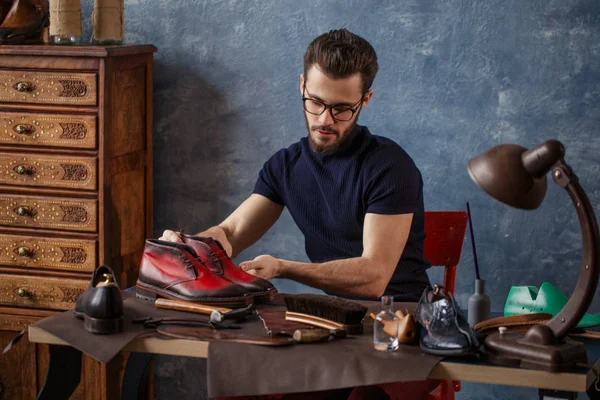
pixel 445 232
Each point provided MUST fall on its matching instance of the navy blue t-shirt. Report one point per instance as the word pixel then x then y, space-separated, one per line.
pixel 328 197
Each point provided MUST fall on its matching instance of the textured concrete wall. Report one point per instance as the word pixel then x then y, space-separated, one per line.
pixel 456 77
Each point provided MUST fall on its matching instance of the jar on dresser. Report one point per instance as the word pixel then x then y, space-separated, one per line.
pixel 75 190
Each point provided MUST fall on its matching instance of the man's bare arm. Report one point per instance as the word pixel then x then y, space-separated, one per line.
pixel 384 238
pixel 243 227
pixel 248 223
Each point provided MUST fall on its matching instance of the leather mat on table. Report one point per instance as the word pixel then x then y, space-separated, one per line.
pixel 236 369
pixel 104 347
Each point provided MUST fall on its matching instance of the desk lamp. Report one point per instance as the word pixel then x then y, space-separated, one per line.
pixel 517 176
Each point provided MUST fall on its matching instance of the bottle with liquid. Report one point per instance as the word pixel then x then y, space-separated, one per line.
pixel 479 305
pixel 382 340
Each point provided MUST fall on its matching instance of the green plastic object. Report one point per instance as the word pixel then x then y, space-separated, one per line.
pixel 548 299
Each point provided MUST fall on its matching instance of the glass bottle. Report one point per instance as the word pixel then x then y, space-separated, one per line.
pixel 108 22
pixel 383 326
pixel 65 22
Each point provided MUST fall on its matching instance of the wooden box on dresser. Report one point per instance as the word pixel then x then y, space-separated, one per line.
pixel 75 191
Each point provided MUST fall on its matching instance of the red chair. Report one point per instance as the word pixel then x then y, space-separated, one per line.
pixel 445 232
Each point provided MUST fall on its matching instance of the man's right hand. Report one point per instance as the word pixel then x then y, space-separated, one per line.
pixel 215 232
pixel 171 236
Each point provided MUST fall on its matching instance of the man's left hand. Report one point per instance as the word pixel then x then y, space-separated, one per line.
pixel 264 266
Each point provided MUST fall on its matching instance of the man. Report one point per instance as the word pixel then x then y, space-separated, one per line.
pixel 356 197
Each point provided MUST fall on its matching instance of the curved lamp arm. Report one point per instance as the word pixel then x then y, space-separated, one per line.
pixel 583 294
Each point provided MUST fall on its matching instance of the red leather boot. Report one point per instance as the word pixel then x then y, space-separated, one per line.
pixel 174 271
pixel 25 22
pixel 215 257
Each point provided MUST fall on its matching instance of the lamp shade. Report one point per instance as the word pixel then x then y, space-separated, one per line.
pixel 501 173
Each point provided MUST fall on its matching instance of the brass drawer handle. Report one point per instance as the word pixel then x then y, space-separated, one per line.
pixel 23 129
pixel 24 87
pixel 23 170
pixel 22 292
pixel 24 211
pixel 24 252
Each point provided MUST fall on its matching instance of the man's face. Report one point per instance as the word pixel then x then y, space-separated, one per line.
pixel 325 133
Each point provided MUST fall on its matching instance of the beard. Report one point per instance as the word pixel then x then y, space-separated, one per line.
pixel 328 148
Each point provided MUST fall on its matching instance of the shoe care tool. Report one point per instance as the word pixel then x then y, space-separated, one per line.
pixel 312 335
pixel 402 327
pixel 382 340
pixel 150 322
pixel 548 299
pixel 217 314
pixel 516 176
pixel 521 323
pixel 329 312
pixel 211 335
pixel 517 323
pixel 273 319
pixel 479 305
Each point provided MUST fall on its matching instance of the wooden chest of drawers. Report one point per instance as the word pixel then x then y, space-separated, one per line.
pixel 75 190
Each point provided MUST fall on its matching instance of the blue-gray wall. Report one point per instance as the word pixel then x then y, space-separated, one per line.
pixel 456 77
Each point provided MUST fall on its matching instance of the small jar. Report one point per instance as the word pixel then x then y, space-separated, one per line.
pixel 382 341
pixel 65 22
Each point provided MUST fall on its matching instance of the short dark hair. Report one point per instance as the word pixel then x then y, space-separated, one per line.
pixel 340 54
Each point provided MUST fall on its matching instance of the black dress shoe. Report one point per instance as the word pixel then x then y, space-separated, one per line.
pixel 445 331
pixel 101 305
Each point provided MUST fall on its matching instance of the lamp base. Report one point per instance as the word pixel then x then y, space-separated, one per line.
pixel 513 349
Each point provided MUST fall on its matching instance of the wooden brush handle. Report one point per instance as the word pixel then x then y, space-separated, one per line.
pixel 312 320
pixel 180 305
pixel 389 326
pixel 311 335
pixel 212 335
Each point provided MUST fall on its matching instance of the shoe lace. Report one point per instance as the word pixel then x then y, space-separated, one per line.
pixel 219 255
pixel 190 263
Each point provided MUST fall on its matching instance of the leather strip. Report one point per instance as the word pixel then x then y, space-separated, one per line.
pixel 211 335
pixel 513 323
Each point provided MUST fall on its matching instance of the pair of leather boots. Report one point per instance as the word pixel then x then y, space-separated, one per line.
pixel 23 21
pixel 197 270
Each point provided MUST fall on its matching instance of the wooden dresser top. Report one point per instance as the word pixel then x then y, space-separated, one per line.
pixel 78 51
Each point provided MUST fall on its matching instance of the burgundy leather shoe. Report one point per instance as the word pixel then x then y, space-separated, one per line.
pixel 215 257
pixel 5 6
pixel 174 271
pixel 24 22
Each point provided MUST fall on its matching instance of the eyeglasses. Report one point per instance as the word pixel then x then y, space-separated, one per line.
pixel 338 113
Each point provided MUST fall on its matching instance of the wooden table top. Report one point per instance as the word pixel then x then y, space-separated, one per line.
pixel 577 381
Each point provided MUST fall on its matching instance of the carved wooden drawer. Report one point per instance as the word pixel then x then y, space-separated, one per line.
pixel 48 253
pixel 48 87
pixel 55 130
pixel 45 170
pixel 16 323
pixel 36 292
pixel 49 212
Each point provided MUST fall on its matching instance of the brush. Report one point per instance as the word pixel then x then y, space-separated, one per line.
pixel 324 311
pixel 473 242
